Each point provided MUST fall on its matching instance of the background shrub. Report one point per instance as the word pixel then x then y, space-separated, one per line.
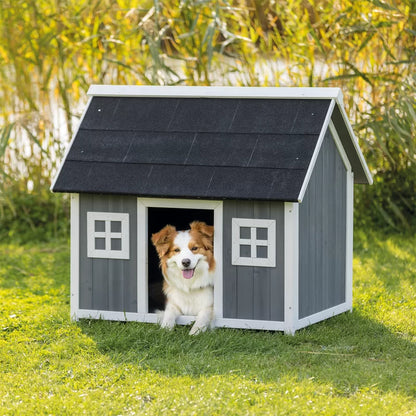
pixel 391 202
pixel 32 216
pixel 52 51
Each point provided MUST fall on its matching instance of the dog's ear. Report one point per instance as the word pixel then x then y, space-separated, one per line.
pixel 162 239
pixel 206 231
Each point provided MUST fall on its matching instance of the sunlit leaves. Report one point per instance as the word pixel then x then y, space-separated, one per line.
pixel 51 51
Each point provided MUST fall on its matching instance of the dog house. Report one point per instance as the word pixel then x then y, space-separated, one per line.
pixel 272 169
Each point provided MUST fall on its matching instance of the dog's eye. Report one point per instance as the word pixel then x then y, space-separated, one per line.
pixel 194 248
pixel 177 250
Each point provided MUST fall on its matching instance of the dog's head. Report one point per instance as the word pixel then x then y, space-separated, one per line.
pixel 185 250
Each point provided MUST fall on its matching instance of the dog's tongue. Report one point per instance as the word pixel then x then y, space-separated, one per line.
pixel 187 274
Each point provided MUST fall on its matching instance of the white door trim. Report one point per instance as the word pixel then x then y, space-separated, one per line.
pixel 143 204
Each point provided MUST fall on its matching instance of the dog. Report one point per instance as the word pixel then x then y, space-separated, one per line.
pixel 188 266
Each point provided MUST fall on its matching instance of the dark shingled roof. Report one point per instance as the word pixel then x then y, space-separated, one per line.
pixel 211 148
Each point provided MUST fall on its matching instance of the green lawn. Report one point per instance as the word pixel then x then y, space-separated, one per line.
pixel 362 363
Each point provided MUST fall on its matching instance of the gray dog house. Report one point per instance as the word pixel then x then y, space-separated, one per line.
pixel 272 169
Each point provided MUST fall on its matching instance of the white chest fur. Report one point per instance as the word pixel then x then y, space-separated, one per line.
pixel 192 301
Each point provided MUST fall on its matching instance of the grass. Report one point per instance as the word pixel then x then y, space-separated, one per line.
pixel 354 364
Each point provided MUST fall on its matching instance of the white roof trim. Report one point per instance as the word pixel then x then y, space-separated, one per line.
pixel 354 141
pixel 318 146
pixel 215 92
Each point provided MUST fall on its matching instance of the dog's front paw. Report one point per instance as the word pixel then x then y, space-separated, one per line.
pixel 169 317
pixel 166 324
pixel 196 329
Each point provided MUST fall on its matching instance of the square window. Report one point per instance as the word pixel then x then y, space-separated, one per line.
pixel 99 226
pixel 116 226
pixel 261 233
pixel 108 235
pixel 253 242
pixel 261 252
pixel 116 244
pixel 100 243
pixel 245 251
pixel 245 232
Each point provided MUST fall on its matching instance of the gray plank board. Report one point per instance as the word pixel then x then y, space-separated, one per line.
pixel 229 272
pixel 85 267
pixel 245 281
pixel 261 276
pixel 253 292
pixel 100 285
pixel 323 234
pixel 277 286
pixel 108 284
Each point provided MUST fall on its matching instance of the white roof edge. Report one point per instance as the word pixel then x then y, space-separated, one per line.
pixel 215 92
pixel 357 148
pixel 315 154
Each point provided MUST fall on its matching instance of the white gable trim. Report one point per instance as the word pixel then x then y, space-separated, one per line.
pixel 316 151
pixel 215 92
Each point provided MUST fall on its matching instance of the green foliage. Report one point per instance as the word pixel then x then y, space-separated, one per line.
pixel 52 51
pixel 32 216
pixel 354 364
pixel 393 150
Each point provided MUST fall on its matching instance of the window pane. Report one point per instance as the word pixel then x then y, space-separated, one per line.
pixel 116 226
pixel 100 243
pixel 245 251
pixel 261 252
pixel 245 232
pixel 116 244
pixel 261 233
pixel 99 226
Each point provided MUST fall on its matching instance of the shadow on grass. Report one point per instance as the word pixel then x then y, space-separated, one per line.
pixel 350 352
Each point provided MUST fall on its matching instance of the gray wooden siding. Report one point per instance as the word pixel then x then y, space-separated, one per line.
pixel 108 284
pixel 253 292
pixel 322 234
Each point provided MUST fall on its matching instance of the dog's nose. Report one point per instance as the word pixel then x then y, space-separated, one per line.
pixel 186 262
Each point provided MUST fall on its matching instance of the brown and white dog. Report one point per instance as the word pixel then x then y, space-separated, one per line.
pixel 188 265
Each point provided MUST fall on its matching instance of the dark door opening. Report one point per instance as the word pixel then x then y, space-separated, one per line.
pixel 157 219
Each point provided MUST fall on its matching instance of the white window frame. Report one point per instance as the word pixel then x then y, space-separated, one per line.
pixel 253 242
pixel 107 234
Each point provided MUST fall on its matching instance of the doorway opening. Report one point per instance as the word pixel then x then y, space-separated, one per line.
pixel 157 218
